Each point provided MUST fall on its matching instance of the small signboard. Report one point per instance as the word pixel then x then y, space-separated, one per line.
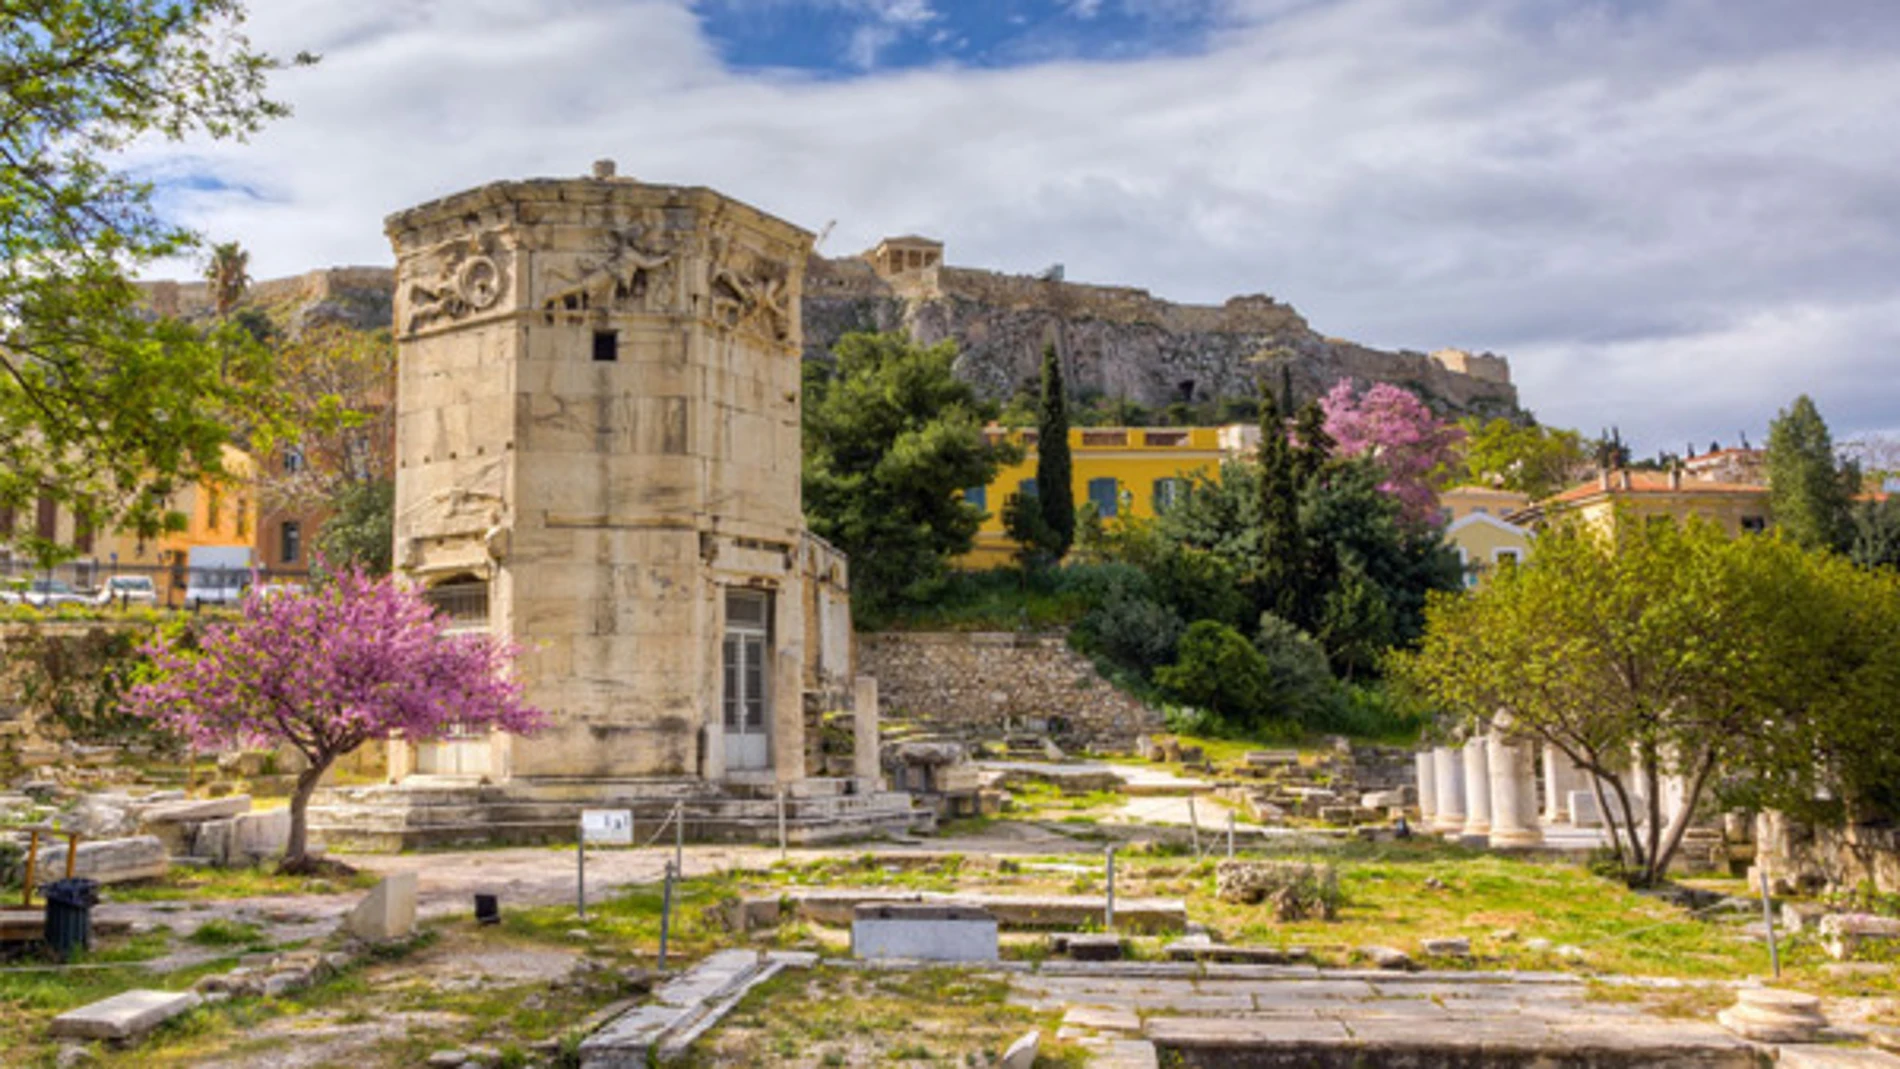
pixel 607 827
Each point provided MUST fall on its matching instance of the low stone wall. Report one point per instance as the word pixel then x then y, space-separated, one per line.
pixel 983 684
pixel 1799 856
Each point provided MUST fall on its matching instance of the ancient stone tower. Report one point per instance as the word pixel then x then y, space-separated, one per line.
pixel 598 458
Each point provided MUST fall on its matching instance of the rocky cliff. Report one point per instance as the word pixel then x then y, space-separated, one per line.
pixel 1123 342
pixel 1116 341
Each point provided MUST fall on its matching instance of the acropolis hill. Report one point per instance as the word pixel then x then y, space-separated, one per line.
pixel 1119 341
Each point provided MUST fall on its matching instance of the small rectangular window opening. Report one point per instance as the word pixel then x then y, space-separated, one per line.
pixel 606 346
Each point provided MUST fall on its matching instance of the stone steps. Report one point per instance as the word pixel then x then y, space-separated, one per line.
pixel 386 818
pixel 1490 1042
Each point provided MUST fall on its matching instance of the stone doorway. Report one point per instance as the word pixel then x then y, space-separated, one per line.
pixel 746 695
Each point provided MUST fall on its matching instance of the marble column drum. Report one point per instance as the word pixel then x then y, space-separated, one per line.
pixel 1427 787
pixel 1561 776
pixel 1477 767
pixel 1448 783
pixel 1513 792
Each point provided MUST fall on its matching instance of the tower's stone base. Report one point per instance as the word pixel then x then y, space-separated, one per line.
pixel 425 811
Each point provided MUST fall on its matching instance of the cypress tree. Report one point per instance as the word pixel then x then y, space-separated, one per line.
pixel 1280 547
pixel 1053 468
pixel 1809 491
pixel 1316 446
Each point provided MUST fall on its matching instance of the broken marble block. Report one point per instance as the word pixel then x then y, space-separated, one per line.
pixel 142 857
pixel 388 912
pixel 125 1016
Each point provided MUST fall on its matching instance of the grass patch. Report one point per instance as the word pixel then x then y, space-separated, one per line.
pixel 219 932
pixel 941 1017
pixel 201 885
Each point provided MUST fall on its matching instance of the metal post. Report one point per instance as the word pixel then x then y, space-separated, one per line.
pixel 666 914
pixel 781 822
pixel 580 870
pixel 1230 833
pixel 1194 826
pixel 1108 913
pixel 679 837
pixel 1768 915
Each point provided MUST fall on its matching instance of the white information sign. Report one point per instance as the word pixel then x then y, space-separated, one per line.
pixel 607 827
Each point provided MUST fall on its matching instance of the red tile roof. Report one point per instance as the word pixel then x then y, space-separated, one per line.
pixel 1648 482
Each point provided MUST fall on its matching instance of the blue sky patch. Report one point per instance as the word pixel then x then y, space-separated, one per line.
pixel 845 38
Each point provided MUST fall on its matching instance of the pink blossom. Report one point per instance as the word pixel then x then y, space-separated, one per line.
pixel 351 660
pixel 1400 434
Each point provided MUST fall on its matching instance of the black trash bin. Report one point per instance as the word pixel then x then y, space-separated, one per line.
pixel 69 905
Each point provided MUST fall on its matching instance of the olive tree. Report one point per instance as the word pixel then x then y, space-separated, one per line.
pixel 1653 650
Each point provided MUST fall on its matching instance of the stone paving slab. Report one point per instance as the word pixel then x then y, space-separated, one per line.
pixel 128 1015
pixel 1806 1057
pixel 678 1006
pixel 1255 1043
pixel 1101 1019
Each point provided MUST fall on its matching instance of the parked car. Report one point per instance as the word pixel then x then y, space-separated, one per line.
pixel 126 591
pixel 47 593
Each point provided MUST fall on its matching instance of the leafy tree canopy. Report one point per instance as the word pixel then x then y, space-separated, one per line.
pixel 1657 650
pixel 891 441
pixel 1530 459
pixel 102 408
pixel 361 530
pixel 1810 490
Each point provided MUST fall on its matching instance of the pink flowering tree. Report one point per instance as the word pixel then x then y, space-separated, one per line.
pixel 1394 428
pixel 352 660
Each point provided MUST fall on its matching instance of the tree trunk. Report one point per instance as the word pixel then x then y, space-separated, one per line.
pixel 1652 780
pixel 1704 766
pixel 297 851
pixel 1609 817
pixel 1637 857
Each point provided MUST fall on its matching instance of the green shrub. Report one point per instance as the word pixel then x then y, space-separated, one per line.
pixel 1373 711
pixel 1133 632
pixel 1219 669
pixel 1303 684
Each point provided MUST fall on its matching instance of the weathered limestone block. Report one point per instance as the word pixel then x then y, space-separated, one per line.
pixel 141 857
pixel 388 912
pixel 125 1016
pixel 923 933
pixel 1846 934
pixel 244 839
pixel 196 810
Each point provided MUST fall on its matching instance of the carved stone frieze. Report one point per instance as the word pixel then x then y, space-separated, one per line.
pixel 636 270
pixel 452 281
pixel 749 291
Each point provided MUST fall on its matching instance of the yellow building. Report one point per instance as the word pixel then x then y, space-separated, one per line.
pixel 216 513
pixel 1737 507
pixel 1123 471
pixel 1476 527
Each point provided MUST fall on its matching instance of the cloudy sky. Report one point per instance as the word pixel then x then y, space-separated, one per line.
pixel 1672 215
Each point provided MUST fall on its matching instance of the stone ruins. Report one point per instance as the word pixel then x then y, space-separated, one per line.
pixel 598 422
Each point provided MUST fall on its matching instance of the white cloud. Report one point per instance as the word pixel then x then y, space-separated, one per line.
pixel 1672 216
